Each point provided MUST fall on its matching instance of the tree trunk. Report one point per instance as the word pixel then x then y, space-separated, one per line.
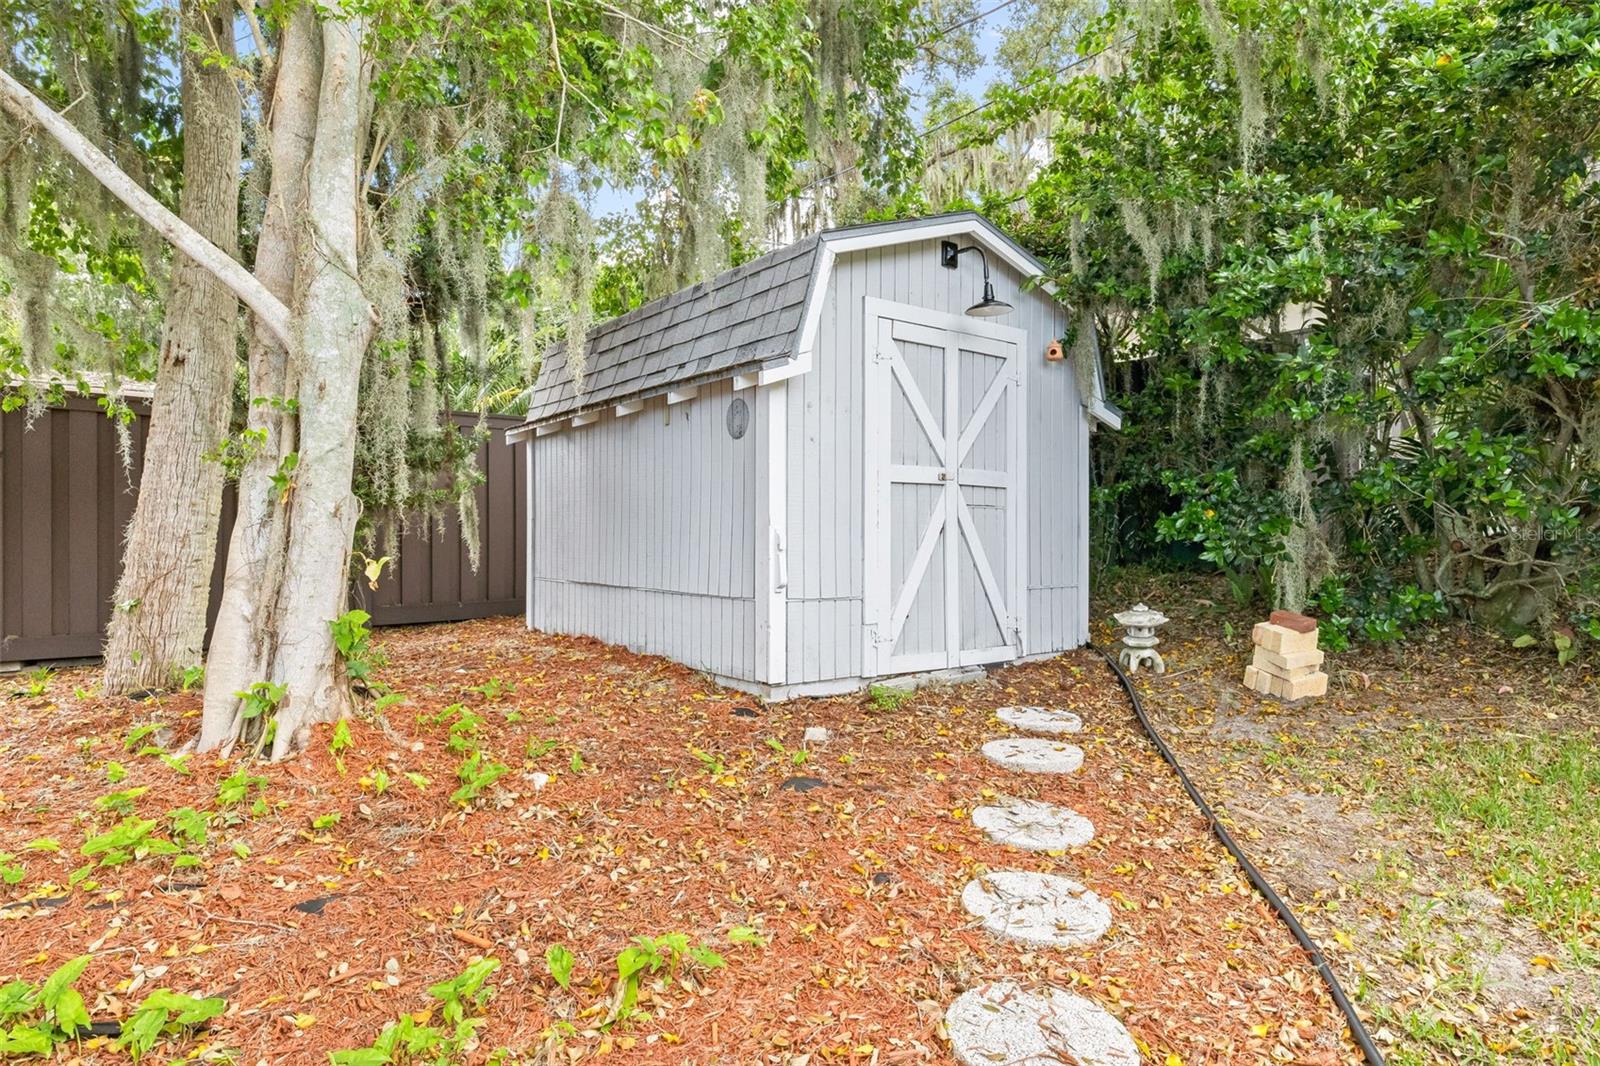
pixel 326 328
pixel 289 579
pixel 334 324
pixel 241 648
pixel 159 622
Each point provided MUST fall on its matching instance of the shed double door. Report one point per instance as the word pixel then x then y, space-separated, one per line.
pixel 944 486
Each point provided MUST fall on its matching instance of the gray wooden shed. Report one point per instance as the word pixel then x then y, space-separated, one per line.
pixel 817 469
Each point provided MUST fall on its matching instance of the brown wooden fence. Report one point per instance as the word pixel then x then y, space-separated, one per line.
pixel 66 497
pixel 434 580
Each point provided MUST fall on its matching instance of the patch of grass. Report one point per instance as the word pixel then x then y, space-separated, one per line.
pixel 1439 938
pixel 1425 1036
pixel 38 682
pixel 1526 812
pixel 887 697
pixel 1521 817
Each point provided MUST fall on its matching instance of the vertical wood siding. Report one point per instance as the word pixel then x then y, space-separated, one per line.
pixel 645 531
pixel 826 548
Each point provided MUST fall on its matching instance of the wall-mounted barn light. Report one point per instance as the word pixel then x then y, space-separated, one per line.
pixel 988 307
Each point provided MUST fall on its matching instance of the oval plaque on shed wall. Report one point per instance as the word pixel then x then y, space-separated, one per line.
pixel 738 417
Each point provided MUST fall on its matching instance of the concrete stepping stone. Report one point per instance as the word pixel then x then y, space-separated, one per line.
pixel 1040 719
pixel 1034 755
pixel 1045 909
pixel 1003 1024
pixel 1032 825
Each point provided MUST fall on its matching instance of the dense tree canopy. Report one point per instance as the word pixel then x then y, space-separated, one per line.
pixel 1343 258
pixel 416 188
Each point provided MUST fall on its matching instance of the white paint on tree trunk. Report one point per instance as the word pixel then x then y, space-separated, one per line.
pixel 1032 825
pixel 1040 719
pixel 1034 755
pixel 1001 1023
pixel 1044 909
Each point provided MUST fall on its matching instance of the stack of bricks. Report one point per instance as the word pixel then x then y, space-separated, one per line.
pixel 1287 663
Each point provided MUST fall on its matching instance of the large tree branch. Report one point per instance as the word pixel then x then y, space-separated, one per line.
pixel 28 109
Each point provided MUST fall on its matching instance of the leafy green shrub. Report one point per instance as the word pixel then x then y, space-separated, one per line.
pixel 1384 370
pixel 353 640
pixel 120 802
pixel 888 697
pixel 1379 611
pixel 34 1019
pixel 411 1042
pixel 1239 530
pixel 650 955
pixel 132 838
pixel 341 740
pixel 465 723
pixel 260 699
pixel 190 829
pixel 136 838
pixel 476 775
pixel 494 688
pixel 236 788
pixel 559 961
pixel 38 682
pixel 165 1013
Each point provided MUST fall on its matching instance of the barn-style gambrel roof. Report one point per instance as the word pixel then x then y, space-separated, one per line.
pixel 737 322
pixel 758 319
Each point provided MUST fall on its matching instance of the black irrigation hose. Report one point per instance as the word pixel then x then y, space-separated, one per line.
pixel 1357 1029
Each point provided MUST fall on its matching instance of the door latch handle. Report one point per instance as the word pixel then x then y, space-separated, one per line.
pixel 780 558
pixel 944 475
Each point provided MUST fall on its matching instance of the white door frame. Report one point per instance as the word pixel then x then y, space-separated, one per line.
pixel 882 619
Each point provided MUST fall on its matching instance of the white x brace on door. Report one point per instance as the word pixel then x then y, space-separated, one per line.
pixel 944 453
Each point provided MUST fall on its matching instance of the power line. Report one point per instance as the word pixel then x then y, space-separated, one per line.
pixel 945 31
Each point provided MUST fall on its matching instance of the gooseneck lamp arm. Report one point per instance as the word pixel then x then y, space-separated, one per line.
pixel 988 307
pixel 949 254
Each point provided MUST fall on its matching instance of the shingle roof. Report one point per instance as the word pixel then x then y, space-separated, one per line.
pixel 739 320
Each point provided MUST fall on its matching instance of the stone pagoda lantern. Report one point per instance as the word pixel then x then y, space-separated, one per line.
pixel 1139 642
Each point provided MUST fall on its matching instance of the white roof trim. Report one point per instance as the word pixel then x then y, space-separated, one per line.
pixel 1105 414
pixel 810 320
pixel 1099 409
pixel 979 229
pixel 972 226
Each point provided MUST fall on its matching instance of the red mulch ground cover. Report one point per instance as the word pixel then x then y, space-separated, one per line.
pixel 855 886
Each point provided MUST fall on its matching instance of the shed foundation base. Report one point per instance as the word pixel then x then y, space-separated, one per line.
pixel 841 686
